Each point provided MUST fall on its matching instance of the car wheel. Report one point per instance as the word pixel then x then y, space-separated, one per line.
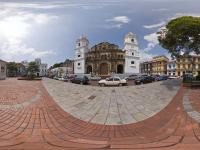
pixel 102 84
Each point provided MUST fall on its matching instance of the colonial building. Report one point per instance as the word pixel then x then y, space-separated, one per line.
pixel 171 68
pixel 69 64
pixel 157 66
pixel 3 70
pixel 146 68
pixel 42 68
pixel 188 65
pixel 105 58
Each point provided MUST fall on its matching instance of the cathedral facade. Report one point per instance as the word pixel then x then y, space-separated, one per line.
pixel 105 59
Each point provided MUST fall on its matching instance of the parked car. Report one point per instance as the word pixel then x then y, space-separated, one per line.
pixel 95 78
pixel 173 77
pixel 144 79
pixel 56 78
pixel 63 79
pixel 80 80
pixel 132 77
pixel 161 78
pixel 113 81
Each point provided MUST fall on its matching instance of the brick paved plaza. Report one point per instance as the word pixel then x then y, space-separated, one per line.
pixel 154 116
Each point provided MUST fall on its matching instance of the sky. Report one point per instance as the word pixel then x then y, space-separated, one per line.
pixel 48 29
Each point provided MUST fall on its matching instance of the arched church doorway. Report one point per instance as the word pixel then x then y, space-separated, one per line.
pixel 89 69
pixel 104 69
pixel 120 69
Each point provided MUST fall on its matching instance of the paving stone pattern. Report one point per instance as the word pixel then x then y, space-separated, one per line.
pixel 112 105
pixel 40 124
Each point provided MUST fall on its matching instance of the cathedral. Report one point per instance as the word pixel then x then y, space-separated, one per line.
pixel 105 59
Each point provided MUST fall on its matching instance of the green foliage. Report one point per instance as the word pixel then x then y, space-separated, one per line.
pixel 188 78
pixel 198 78
pixel 57 65
pixel 12 69
pixel 32 69
pixel 181 36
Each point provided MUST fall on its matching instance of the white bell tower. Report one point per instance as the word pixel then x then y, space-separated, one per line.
pixel 132 54
pixel 82 47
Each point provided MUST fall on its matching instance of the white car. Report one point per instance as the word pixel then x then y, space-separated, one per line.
pixel 113 81
pixel 173 77
pixel 62 79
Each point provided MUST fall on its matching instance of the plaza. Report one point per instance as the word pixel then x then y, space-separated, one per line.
pixel 34 115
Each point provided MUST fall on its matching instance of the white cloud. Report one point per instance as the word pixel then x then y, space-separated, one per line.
pixel 160 9
pixel 152 40
pixel 117 22
pixel 145 56
pixel 120 19
pixel 13 48
pixel 15 26
pixel 155 25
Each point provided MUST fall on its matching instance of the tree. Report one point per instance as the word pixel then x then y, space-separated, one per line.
pixel 33 68
pixel 181 37
pixel 12 69
pixel 57 65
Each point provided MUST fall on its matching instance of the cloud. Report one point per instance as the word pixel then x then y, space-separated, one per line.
pixel 146 56
pixel 152 40
pixel 117 22
pixel 15 26
pixel 183 14
pixel 160 9
pixel 13 48
pixel 158 25
pixel 120 19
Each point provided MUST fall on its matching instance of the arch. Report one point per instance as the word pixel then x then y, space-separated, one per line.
pixel 120 69
pixel 104 69
pixel 89 69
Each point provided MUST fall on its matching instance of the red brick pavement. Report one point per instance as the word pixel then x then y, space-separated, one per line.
pixel 194 98
pixel 42 124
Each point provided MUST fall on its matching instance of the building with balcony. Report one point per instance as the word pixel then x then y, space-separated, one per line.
pixel 171 68
pixel 146 68
pixel 159 65
pixel 188 65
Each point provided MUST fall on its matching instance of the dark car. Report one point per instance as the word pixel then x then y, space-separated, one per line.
pixel 80 80
pixel 144 79
pixel 161 78
pixel 132 77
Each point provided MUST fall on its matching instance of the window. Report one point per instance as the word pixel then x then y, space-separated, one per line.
pixel 132 40
pixel 79 55
pixel 79 44
pixel 116 79
pixel 2 69
pixel 79 64
pixel 132 62
pixel 133 54
pixel 110 79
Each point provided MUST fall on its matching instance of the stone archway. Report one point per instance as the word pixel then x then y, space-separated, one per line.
pixel 89 69
pixel 104 69
pixel 120 69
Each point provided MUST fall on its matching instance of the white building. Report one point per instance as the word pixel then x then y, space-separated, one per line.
pixel 130 59
pixel 171 68
pixel 42 68
pixel 61 71
pixel 132 54
pixel 82 47
pixel 3 69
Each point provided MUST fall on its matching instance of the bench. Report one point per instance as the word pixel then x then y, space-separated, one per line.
pixel 195 84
